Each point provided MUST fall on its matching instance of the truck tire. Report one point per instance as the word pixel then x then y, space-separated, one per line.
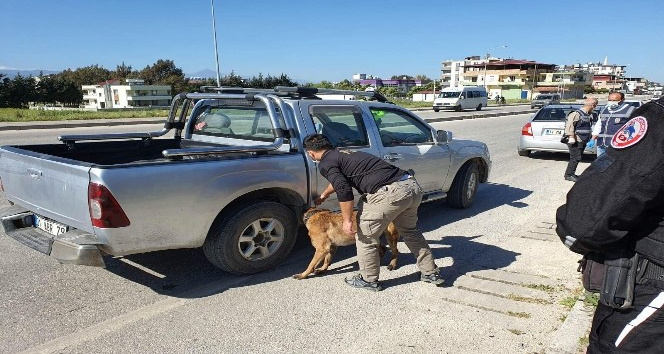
pixel 435 109
pixel 251 239
pixel 464 186
pixel 479 107
pixel 458 108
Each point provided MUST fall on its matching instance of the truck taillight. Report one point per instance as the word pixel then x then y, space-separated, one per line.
pixel 527 130
pixel 105 211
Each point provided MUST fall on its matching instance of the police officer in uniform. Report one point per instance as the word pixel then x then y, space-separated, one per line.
pixel 577 128
pixel 617 204
pixel 390 194
pixel 614 115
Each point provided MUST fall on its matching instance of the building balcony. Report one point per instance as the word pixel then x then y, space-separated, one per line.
pixel 148 98
pixel 562 83
pixel 89 98
pixel 508 83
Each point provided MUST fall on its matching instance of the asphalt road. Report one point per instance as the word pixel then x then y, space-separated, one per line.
pixel 506 275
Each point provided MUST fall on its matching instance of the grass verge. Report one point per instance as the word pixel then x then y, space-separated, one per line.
pixel 31 115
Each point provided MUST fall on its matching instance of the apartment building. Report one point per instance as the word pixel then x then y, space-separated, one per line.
pixel 606 76
pixel 135 93
pixel 451 71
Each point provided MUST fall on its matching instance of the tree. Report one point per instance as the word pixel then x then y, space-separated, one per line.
pixel 345 85
pixel 19 92
pixel 164 72
pixel 122 72
pixel 88 75
pixel 4 90
pixel 232 80
pixel 423 78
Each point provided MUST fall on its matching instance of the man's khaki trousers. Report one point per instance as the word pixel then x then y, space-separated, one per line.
pixel 398 203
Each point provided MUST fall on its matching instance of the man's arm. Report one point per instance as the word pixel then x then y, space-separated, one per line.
pixel 326 194
pixel 597 127
pixel 347 214
pixel 569 126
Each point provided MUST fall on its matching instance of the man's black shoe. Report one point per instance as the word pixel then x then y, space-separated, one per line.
pixel 433 278
pixel 572 178
pixel 356 281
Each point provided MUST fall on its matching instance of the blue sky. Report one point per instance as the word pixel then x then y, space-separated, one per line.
pixel 328 40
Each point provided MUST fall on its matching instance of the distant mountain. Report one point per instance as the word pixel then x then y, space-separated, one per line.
pixel 12 73
pixel 206 73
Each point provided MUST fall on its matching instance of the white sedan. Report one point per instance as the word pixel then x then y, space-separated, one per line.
pixel 545 128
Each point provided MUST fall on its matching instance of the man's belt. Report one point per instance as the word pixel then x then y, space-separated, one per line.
pixel 652 271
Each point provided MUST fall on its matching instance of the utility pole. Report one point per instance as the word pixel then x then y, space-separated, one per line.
pixel 216 53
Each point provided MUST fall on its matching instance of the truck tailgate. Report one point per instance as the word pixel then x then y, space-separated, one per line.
pixel 49 186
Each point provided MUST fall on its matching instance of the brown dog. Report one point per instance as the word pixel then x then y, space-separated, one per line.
pixel 326 233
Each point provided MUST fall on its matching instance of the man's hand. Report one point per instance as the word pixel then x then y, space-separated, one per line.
pixel 326 193
pixel 349 228
pixel 591 143
pixel 320 199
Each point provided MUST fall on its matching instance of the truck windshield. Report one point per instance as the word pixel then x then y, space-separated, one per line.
pixel 450 94
pixel 544 97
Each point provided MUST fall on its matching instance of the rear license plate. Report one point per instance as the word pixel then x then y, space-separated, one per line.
pixel 50 226
pixel 553 132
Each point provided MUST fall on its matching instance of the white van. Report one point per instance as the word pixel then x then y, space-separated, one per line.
pixel 458 98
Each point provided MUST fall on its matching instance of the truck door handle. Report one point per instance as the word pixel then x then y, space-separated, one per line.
pixel 34 173
pixel 393 156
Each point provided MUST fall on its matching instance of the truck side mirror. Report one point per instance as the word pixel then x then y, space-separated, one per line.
pixel 443 136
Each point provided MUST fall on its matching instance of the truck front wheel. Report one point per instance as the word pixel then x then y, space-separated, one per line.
pixel 252 239
pixel 464 186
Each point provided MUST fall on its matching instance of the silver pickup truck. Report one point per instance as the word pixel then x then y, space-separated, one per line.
pixel 226 173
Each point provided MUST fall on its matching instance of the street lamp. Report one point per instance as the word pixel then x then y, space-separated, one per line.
pixel 216 54
pixel 486 60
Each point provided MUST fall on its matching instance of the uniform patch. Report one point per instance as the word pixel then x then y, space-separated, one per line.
pixel 630 133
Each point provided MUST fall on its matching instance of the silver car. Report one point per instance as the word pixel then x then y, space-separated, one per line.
pixel 545 128
pixel 544 100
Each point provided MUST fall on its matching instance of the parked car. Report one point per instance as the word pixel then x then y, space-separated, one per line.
pixel 545 128
pixel 545 100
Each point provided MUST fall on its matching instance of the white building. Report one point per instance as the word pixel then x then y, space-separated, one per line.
pixel 111 94
pixel 451 72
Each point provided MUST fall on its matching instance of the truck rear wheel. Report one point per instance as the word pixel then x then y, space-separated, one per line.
pixel 252 239
pixel 464 186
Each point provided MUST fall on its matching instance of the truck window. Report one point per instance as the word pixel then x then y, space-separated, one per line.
pixel 343 125
pixel 398 128
pixel 248 123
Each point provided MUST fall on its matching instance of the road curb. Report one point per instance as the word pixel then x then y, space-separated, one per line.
pixel 483 115
pixel 76 124
pixel 566 339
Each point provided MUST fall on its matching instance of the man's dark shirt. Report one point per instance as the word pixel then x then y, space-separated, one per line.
pixel 346 170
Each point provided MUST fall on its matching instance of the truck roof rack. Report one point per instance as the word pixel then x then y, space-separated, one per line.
pixel 297 92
